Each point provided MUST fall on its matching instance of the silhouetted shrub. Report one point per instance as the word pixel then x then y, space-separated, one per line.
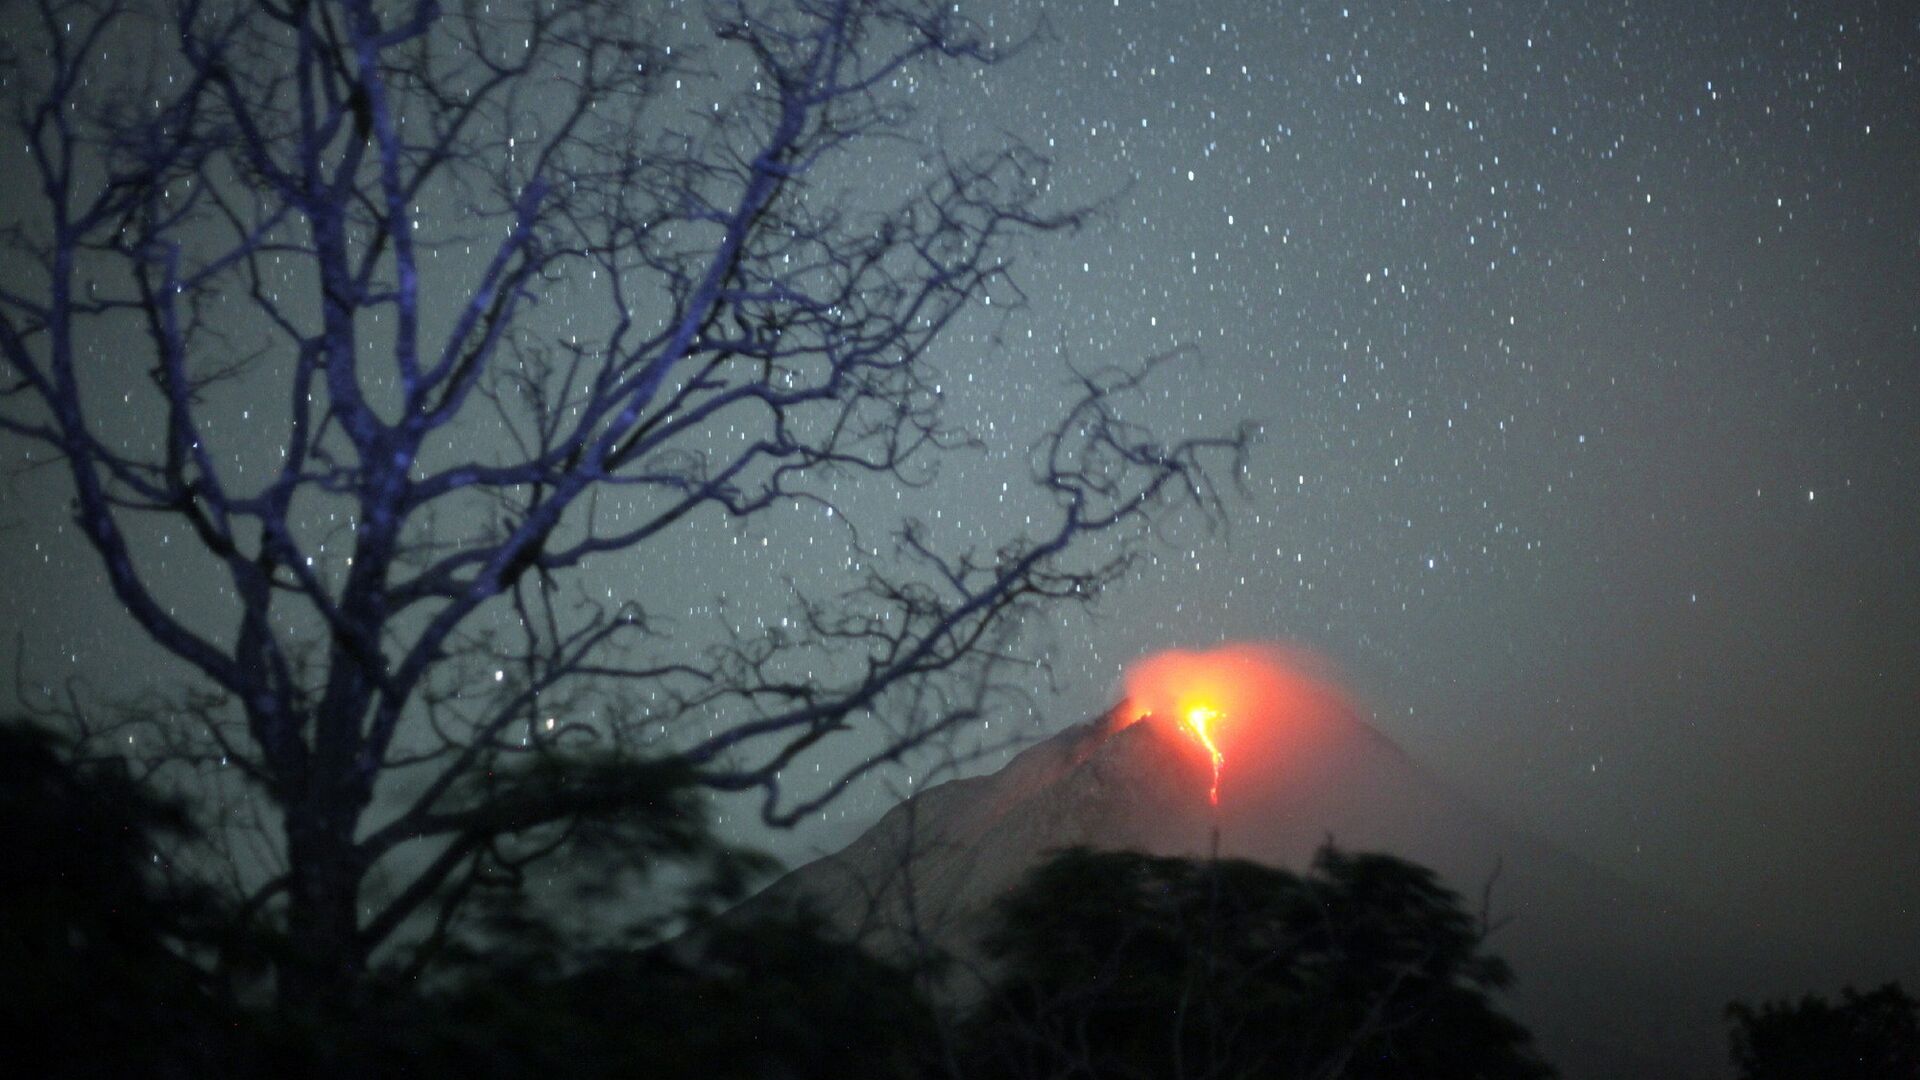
pixel 95 983
pixel 1133 965
pixel 1872 1036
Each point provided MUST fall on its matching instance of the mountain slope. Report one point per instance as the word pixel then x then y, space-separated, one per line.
pixel 1614 982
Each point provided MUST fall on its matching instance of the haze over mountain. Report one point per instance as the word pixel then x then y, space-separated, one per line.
pixel 1614 980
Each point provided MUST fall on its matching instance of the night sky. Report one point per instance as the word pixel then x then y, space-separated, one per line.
pixel 1586 341
pixel 1584 344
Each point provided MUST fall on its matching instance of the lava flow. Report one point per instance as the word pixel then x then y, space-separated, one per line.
pixel 1198 718
pixel 1242 700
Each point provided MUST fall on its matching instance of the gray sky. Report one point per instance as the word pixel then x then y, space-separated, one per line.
pixel 1585 342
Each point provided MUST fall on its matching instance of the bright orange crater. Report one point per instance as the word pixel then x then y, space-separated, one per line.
pixel 1235 700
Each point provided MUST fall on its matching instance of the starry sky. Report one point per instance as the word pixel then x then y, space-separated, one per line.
pixel 1584 344
pixel 1585 341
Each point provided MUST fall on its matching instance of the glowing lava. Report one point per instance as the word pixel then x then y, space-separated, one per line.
pixel 1254 702
pixel 1198 718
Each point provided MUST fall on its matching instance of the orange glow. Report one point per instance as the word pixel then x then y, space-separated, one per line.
pixel 1198 718
pixel 1242 702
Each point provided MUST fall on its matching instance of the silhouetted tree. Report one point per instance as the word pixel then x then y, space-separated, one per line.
pixel 747 1001
pixel 101 928
pixel 398 315
pixel 91 961
pixel 1871 1036
pixel 1129 965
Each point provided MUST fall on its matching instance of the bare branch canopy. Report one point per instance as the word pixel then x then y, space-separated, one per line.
pixel 404 314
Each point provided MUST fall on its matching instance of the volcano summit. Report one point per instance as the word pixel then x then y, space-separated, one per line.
pixel 1613 980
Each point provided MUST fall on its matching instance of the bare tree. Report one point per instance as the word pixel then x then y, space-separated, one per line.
pixel 433 308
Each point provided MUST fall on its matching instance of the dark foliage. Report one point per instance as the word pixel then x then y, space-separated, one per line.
pixel 98 981
pixel 1118 964
pixel 785 999
pixel 1112 965
pixel 782 999
pixel 93 982
pixel 1871 1036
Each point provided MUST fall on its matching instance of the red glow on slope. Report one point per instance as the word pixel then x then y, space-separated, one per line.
pixel 1240 695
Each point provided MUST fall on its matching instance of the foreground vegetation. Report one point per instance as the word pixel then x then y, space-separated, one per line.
pixel 1110 964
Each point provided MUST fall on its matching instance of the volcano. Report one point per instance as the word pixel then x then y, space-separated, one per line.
pixel 1614 980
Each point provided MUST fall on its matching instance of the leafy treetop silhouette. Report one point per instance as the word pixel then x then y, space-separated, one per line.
pixel 1875 1034
pixel 1122 964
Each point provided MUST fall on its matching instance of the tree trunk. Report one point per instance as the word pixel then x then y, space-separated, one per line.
pixel 325 958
